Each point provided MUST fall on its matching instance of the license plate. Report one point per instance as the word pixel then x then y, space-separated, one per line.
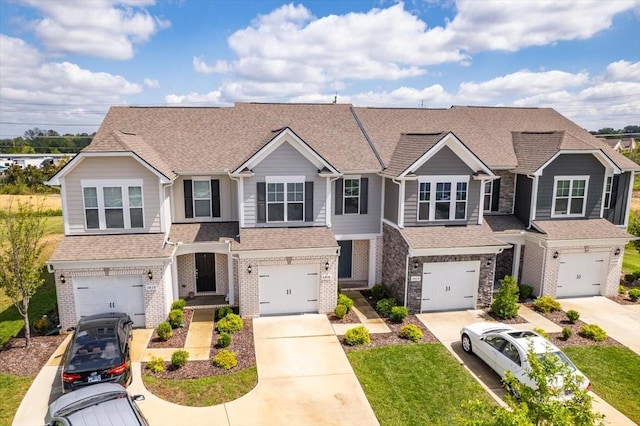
pixel 94 379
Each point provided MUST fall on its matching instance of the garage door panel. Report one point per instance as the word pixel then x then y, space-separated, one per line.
pixel 96 295
pixel 449 285
pixel 288 289
pixel 580 274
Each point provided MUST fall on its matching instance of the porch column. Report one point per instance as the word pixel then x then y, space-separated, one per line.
pixel 372 262
pixel 232 294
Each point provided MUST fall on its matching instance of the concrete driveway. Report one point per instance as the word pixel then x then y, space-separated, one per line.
pixel 621 322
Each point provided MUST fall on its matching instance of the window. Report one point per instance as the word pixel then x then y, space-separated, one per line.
pixel 607 192
pixel 511 352
pixel 352 196
pixel 440 199
pixel 113 205
pixel 570 194
pixel 202 198
pixel 285 201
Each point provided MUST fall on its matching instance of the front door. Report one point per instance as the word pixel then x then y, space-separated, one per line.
pixel 344 262
pixel 205 272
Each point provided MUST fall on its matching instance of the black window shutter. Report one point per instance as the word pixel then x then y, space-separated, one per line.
pixel 262 202
pixel 215 197
pixel 338 197
pixel 188 199
pixel 614 191
pixel 364 195
pixel 495 194
pixel 308 201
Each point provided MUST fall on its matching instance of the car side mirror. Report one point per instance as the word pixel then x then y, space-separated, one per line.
pixel 138 397
pixel 482 338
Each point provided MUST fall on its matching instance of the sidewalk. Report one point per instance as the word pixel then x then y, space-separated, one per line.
pixel 367 315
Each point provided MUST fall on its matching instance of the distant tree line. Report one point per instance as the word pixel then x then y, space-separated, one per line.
pixel 612 131
pixel 40 141
pixel 29 180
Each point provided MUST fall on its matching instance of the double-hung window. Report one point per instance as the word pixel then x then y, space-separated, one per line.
pixel 113 204
pixel 285 199
pixel 442 198
pixel 351 196
pixel 202 198
pixel 570 196
pixel 608 185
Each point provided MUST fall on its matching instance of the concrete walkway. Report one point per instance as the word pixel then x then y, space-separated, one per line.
pixel 367 315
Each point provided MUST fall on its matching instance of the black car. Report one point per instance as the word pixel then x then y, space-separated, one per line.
pixel 98 352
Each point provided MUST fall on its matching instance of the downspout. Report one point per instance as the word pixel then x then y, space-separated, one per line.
pixel 239 203
pixel 406 280
pixel 544 268
pixel 534 201
pixel 400 202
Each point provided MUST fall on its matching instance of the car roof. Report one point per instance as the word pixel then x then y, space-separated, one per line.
pixel 101 320
pixel 538 344
pixel 112 412
pixel 83 393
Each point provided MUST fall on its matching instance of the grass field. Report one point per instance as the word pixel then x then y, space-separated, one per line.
pixel 48 202
pixel 631 260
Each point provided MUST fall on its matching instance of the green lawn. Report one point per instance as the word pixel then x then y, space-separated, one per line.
pixel 631 261
pixel 206 391
pixel 54 225
pixel 614 373
pixel 418 384
pixel 14 388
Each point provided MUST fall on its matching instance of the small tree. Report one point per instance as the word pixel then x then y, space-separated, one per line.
pixel 21 232
pixel 505 304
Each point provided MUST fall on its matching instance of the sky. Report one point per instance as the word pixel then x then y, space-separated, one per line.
pixel 63 63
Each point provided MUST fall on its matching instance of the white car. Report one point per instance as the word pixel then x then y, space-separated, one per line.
pixel 504 348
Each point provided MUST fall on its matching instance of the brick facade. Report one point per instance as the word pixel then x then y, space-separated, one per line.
pixel 507 191
pixel 187 277
pixel 394 261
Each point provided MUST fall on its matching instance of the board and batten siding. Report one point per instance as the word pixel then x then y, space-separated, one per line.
pixel 619 199
pixel 106 169
pixel 284 161
pixel 391 200
pixel 571 165
pixel 368 223
pixel 228 200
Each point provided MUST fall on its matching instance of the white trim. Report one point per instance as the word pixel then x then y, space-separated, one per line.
pixel 207 247
pixel 285 181
pixel 327 201
pixel 124 185
pixel 534 198
pixel 383 194
pixel 65 214
pixel 401 195
pixel 600 156
pixel 447 251
pixel 206 179
pixel 372 262
pixel 433 181
pixel 311 252
pixel 344 196
pixel 571 180
pixel 241 211
pixel 162 207
pixel 483 184
pixel 629 197
pixel 231 295
pixel 340 237
pixel 97 264
pixel 604 193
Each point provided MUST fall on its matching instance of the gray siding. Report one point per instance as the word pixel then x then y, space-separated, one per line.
pixel 571 165
pixel 619 199
pixel 444 162
pixel 228 200
pixel 522 208
pixel 360 223
pixel 391 200
pixel 284 161
pixel 105 169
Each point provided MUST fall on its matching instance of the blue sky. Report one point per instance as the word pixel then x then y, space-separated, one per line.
pixel 64 62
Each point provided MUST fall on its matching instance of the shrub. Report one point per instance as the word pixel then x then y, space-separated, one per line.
pixel 179 304
pixel 524 292
pixel 346 301
pixel 398 313
pixel 232 323
pixel 176 318
pixel 593 332
pixel 224 340
pixel 179 358
pixel 410 332
pixel 546 305
pixel 164 330
pixel 566 333
pixel 225 359
pixel 573 315
pixel 384 306
pixel 630 278
pixel 505 303
pixel 155 364
pixel 541 332
pixel 622 289
pixel 42 325
pixel 378 292
pixel 634 294
pixel 340 311
pixel 224 311
pixel 357 336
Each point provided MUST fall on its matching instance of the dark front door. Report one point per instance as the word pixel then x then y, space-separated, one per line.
pixel 205 272
pixel 344 262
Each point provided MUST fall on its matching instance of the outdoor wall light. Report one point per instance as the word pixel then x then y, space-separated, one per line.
pixel 62 279
pixel 555 255
pixel 617 252
pixel 586 249
pixel 326 266
pixel 150 275
pixel 416 264
pixel 249 269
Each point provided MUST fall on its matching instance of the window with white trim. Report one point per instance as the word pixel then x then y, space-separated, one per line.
pixel 443 198
pixel 608 185
pixel 570 196
pixel 114 204
pixel 488 196
pixel 351 196
pixel 285 200
pixel 202 198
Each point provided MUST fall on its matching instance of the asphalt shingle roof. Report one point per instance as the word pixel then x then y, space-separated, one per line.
pixel 579 229
pixel 286 238
pixel 410 147
pixel 189 233
pixel 446 237
pixel 111 247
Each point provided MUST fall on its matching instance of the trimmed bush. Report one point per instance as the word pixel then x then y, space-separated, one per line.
pixel 566 333
pixel 42 325
pixel 225 359
pixel 155 364
pixel 224 311
pixel 176 318
pixel 524 292
pixel 346 301
pixel 224 340
pixel 398 313
pixel 622 289
pixel 179 358
pixel 593 332
pixel 340 311
pixel 630 278
pixel 634 294
pixel 357 336
pixel 546 305
pixel 505 303
pixel 541 332
pixel 384 306
pixel 232 323
pixel 573 315
pixel 378 292
pixel 179 304
pixel 164 330
pixel 410 332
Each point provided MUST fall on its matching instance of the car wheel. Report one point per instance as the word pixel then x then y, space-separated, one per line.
pixel 466 343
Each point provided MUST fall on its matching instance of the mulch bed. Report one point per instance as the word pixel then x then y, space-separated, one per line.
pixel 623 299
pixel 19 360
pixel 179 336
pixel 350 318
pixel 488 315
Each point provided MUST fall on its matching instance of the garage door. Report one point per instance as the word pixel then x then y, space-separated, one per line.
pixel 580 274
pixel 288 289
pixel 95 295
pixel 449 285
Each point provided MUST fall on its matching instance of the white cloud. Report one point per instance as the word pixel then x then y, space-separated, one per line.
pixel 623 71
pixel 104 28
pixel 200 66
pixel 151 83
pixel 193 98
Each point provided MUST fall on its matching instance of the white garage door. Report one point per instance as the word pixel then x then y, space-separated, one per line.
pixel 580 274
pixel 96 295
pixel 449 285
pixel 288 289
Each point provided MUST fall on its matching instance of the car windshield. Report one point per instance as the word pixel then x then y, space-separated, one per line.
pixel 94 348
pixel 557 357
